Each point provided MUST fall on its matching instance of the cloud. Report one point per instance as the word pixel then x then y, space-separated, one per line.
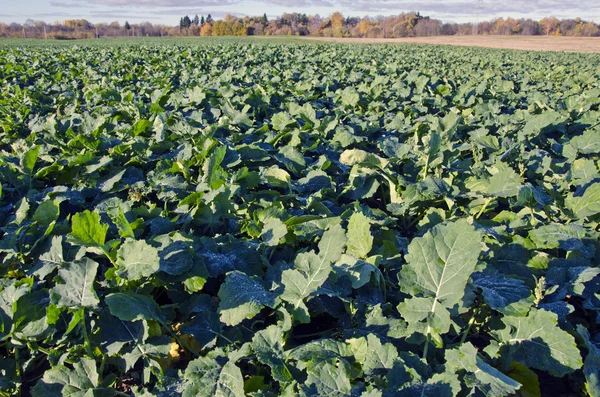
pixel 146 3
pixel 447 10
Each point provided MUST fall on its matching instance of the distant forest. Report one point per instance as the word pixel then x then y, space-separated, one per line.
pixel 411 24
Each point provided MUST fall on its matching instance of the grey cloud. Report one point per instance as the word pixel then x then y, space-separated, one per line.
pixel 469 7
pixel 147 3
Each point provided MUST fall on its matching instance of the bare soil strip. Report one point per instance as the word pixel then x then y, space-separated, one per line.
pixel 530 43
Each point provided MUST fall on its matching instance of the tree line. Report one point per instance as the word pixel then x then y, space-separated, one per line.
pixel 411 24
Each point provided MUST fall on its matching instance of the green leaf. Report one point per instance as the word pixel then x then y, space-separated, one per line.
pixel 505 182
pixel 350 96
pixel 332 244
pixel 282 121
pixel 273 231
pixel 331 382
pixel 438 267
pixel 129 306
pixel 87 230
pixel 360 240
pixel 479 374
pixel 555 235
pixel 46 213
pixel 212 172
pixel 588 143
pixel 380 356
pixel 137 259
pixel 268 346
pixel 538 342
pixel 78 288
pixel 313 356
pixel 587 204
pixel 81 381
pixel 311 271
pixel 591 365
pixel 207 377
pixel 30 158
pixel 530 384
pixel 118 217
pixel 242 297
pixel 353 157
pixel 509 296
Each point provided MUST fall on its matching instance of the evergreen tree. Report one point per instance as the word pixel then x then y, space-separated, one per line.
pixel 187 22
pixel 181 23
pixel 202 21
pixel 265 20
pixel 127 25
pixel 209 19
pixel 196 20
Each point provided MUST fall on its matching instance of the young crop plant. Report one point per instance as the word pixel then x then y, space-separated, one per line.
pixel 245 218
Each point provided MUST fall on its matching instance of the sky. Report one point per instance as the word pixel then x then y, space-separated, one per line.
pixel 168 12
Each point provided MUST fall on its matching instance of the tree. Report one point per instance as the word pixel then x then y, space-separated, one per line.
pixel 127 25
pixel 206 30
pixel 337 24
pixel 550 25
pixel 363 27
pixel 202 20
pixel 196 20
pixel 187 22
pixel 209 19
pixel 265 20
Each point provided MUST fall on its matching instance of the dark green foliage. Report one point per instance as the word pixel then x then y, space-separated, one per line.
pixel 235 218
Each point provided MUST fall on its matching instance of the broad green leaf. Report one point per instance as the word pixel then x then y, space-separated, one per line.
pixel 360 240
pixel 530 384
pixel 332 244
pixel 129 306
pixel 332 381
pixel 313 356
pixel 353 157
pixel 554 235
pixel 118 217
pixel 588 143
pixel 587 204
pixel 505 182
pixel 46 213
pixel 415 309
pixel 81 381
pixel 87 230
pixel 273 231
pixel 509 296
pixel 30 158
pixel 311 271
pixel 205 328
pixel 242 297
pixel 350 96
pixel 77 290
pixel 478 373
pixel 439 265
pixel 282 121
pixel 50 259
pixel 268 346
pixel 591 365
pixel 538 342
pixel 212 173
pixel 136 259
pixel 209 377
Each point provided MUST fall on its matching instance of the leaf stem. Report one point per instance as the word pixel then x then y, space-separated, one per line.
pixel 105 252
pixel 489 200
pixel 86 337
pixel 426 348
pixel 466 333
